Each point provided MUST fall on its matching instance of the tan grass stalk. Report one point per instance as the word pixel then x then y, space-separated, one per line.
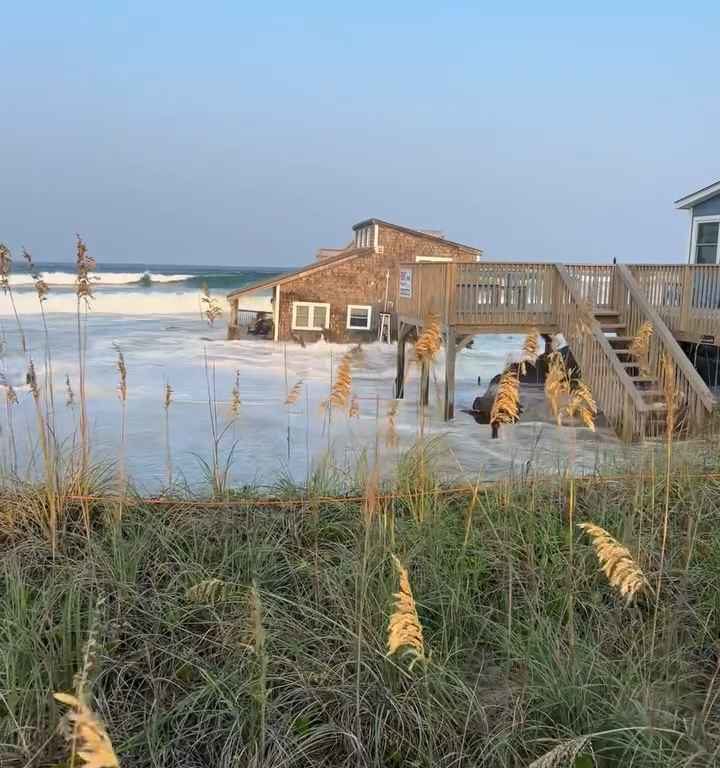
pixel 84 265
pixel 235 401
pixel 529 352
pixel 404 628
pixel 391 434
pixel 211 307
pixel 342 386
pixel 557 385
pixel 563 755
pixel 88 736
pixel 616 562
pixel 583 404
pixel 46 447
pixel 506 405
pixel 209 591
pixel 122 391
pixel 294 394
pixel 11 400
pixel 640 346
pixel 69 394
pixel 5 269
pixel 428 344
pixel 167 402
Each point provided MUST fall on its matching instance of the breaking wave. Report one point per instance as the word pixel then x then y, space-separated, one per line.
pixel 125 302
pixel 102 278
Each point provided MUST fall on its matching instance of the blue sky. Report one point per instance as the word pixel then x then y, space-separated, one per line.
pixel 250 134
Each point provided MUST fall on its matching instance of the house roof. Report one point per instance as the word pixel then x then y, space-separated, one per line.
pixel 429 234
pixel 316 266
pixel 346 255
pixel 693 199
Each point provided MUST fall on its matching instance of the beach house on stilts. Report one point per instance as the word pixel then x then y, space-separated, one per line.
pixel 343 295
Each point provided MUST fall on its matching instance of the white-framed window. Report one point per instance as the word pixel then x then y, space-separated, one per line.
pixel 705 247
pixel 310 316
pixel 359 317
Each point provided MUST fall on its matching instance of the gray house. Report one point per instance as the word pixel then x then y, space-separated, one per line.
pixel 704 207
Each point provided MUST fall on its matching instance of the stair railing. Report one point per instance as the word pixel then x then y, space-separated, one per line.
pixel 693 398
pixel 614 392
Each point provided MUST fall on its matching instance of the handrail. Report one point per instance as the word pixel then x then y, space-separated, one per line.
pixel 594 327
pixel 661 332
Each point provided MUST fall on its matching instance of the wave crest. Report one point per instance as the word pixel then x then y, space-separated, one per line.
pixel 103 278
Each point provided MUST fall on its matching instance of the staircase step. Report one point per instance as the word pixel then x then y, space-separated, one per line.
pixel 620 339
pixel 612 327
pixel 639 379
pixel 654 393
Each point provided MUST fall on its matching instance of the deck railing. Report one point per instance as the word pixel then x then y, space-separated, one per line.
pixel 687 297
pixel 694 399
pixel 594 282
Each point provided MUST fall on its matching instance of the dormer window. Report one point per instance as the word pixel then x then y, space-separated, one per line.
pixel 366 237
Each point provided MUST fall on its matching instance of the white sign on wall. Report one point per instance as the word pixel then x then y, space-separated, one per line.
pixel 405 291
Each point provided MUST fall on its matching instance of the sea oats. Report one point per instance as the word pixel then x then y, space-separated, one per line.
pixel 88 736
pixel 428 344
pixel 563 755
pixel 557 384
pixel 235 401
pixel 404 628
pixel 529 352
pixel 616 562
pixel 167 396
pixel 212 308
pixel 294 393
pixel 122 376
pixel 84 265
pixel 342 386
pixel 506 405
pixel 640 345
pixel 208 591
pixel 583 404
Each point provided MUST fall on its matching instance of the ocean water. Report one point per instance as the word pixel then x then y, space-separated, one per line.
pixel 153 314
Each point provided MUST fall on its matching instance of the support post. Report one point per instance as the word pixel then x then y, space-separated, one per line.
pixel 400 361
pixel 232 332
pixel 450 354
pixel 687 291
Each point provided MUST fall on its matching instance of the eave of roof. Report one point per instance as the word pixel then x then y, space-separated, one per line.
pixel 316 266
pixel 698 197
pixel 416 233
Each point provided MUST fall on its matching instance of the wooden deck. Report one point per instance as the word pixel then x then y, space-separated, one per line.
pixel 598 309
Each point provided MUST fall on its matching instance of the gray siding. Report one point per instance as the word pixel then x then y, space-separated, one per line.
pixel 709 207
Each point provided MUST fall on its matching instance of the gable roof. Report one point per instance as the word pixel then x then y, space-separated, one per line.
pixel 316 266
pixel 416 232
pixel 701 195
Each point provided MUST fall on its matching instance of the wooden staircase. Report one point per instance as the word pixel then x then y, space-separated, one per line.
pixel 648 386
pixel 629 391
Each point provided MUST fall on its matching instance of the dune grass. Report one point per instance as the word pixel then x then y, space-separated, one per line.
pixel 250 636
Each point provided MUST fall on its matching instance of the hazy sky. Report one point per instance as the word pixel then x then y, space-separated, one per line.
pixel 252 133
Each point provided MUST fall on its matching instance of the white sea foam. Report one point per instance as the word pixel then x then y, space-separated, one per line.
pixel 101 278
pixel 126 302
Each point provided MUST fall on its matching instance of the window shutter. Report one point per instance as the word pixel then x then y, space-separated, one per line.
pixel 319 316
